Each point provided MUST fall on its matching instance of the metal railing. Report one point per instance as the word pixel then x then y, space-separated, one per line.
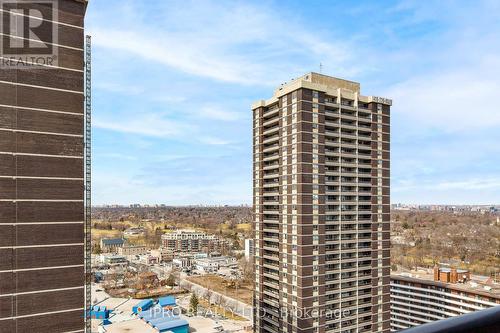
pixel 484 321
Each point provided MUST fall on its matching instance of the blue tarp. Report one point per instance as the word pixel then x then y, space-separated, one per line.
pixel 170 323
pixel 167 301
pixel 142 306
pixel 156 321
pixel 147 316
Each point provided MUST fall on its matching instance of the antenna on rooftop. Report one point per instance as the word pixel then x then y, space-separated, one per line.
pixel 320 68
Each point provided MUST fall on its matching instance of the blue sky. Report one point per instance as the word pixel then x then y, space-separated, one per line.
pixel 173 82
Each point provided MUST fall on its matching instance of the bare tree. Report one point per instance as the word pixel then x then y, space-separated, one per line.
pixel 208 295
pixel 247 268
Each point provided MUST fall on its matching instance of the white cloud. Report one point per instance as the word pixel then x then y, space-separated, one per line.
pixel 121 188
pixel 450 101
pixel 168 99
pixel 217 113
pixel 145 123
pixel 230 42
pixel 120 88
pixel 171 51
pixel 211 140
pixel 127 89
pixel 452 84
pixel 441 71
pixel 151 124
pixel 116 156
pixel 470 184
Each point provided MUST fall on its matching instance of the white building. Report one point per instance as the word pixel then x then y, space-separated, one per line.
pixel 182 262
pixel 212 264
pixel 249 248
pixel 148 259
pixel 207 265
pixel 134 232
pixel 113 259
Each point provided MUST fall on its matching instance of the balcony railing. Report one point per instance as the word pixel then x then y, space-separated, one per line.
pixel 484 321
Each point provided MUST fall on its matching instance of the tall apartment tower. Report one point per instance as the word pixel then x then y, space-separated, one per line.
pixel 321 201
pixel 42 281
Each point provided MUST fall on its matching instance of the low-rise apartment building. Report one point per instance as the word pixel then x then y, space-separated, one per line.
pixel 422 297
pixel 162 254
pixel 132 250
pixel 191 241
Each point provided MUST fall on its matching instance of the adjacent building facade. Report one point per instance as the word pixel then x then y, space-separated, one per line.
pixel 322 208
pixel 416 301
pixel 42 167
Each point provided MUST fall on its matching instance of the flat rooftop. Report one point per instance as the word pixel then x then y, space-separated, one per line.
pixel 482 285
pixel 333 86
pixel 135 325
pixel 331 81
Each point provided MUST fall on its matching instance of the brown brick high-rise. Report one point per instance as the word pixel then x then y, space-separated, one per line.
pixel 42 181
pixel 321 203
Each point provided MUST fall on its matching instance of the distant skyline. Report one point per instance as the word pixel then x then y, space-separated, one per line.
pixel 249 205
pixel 173 82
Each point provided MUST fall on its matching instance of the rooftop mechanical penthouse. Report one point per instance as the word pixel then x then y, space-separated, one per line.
pixel 321 200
